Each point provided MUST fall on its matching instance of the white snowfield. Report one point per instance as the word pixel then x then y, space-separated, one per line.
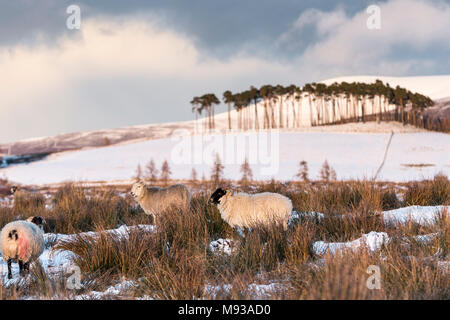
pixel 411 156
pixel 354 150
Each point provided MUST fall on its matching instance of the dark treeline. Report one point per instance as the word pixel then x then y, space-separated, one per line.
pixel 317 104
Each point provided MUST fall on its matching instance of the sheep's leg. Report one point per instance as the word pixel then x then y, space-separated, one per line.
pixel 9 269
pixel 26 267
pixel 21 268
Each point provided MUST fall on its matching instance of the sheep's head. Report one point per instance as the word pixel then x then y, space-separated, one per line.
pixel 13 189
pixel 37 220
pixel 137 190
pixel 217 195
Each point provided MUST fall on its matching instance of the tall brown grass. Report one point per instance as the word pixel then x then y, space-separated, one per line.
pixel 174 261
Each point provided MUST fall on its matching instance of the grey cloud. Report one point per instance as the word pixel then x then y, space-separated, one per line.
pixel 220 27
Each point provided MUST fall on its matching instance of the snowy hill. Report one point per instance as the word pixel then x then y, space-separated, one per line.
pixel 437 87
pixel 354 150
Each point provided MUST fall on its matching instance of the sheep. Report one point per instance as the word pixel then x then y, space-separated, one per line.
pixel 22 241
pixel 13 190
pixel 154 200
pixel 243 210
pixel 26 199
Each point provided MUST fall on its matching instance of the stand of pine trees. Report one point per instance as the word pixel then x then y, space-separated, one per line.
pixel 317 104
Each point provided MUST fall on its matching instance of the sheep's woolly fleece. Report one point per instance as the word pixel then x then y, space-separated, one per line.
pixel 246 210
pixel 55 262
pixel 29 244
pixel 154 200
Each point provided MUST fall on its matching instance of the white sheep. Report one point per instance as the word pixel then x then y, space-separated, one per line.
pixel 155 200
pixel 20 193
pixel 22 241
pixel 243 210
pixel 16 191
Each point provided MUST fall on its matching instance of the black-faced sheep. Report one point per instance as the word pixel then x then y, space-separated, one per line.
pixel 23 242
pixel 243 210
pixel 155 200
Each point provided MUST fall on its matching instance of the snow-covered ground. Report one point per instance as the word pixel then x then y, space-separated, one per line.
pixel 411 156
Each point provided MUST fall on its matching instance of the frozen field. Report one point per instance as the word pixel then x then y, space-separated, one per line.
pixel 411 156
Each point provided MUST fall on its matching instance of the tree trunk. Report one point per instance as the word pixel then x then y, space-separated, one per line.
pixel 229 117
pixel 280 114
pixel 256 117
pixel 294 114
pixel 266 115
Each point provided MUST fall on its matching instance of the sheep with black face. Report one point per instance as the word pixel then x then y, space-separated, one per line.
pixel 22 241
pixel 243 210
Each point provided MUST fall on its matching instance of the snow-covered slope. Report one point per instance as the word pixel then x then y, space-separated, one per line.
pixel 411 156
pixel 436 87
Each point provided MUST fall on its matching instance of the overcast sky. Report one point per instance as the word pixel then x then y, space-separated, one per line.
pixel 139 62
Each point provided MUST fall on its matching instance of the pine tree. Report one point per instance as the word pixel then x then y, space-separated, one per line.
pixel 246 171
pixel 303 171
pixel 138 174
pixel 151 172
pixel 217 170
pixel 193 175
pixel 165 172
pixel 333 175
pixel 325 171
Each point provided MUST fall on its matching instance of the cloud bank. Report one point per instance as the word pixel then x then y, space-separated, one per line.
pixel 128 70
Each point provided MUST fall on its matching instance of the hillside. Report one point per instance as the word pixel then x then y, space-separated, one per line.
pixel 436 87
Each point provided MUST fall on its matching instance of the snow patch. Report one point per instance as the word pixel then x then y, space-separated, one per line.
pixel 115 291
pixel 221 246
pixel 372 241
pixel 295 215
pixel 423 215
